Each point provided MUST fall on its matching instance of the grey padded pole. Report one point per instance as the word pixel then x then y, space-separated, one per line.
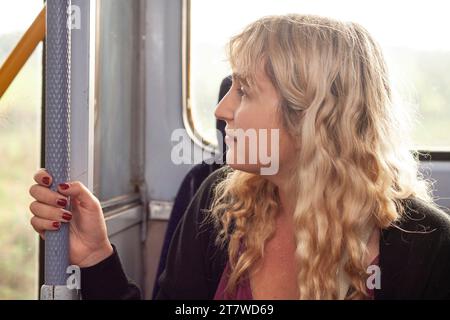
pixel 57 142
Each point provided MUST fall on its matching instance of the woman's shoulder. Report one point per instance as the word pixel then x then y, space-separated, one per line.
pixel 422 229
pixel 204 196
pixel 205 193
pixel 422 216
pixel 415 253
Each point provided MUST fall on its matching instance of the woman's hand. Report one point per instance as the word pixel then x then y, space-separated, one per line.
pixel 89 242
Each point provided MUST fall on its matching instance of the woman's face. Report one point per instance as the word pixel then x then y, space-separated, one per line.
pixel 257 141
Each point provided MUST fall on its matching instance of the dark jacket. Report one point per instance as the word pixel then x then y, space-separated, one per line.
pixel 191 183
pixel 413 265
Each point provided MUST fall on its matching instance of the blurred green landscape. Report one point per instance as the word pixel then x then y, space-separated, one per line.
pixel 19 159
pixel 420 77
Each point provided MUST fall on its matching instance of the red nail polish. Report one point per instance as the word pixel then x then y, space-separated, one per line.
pixel 64 186
pixel 62 202
pixel 56 224
pixel 67 216
pixel 46 180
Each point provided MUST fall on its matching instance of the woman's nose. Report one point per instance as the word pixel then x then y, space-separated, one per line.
pixel 224 110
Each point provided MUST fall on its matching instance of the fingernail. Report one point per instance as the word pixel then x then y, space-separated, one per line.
pixel 62 202
pixel 46 180
pixel 67 216
pixel 56 224
pixel 64 186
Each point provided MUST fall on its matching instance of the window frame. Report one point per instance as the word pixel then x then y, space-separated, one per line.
pixel 188 120
pixel 434 156
pixel 137 111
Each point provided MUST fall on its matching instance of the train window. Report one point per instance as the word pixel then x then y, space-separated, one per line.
pixel 415 44
pixel 20 139
pixel 116 130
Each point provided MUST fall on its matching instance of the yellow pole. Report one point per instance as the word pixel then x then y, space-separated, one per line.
pixel 22 51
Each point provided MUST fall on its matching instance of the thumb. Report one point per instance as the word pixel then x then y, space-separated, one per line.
pixel 79 191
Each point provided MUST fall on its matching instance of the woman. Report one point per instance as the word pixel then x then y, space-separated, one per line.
pixel 345 215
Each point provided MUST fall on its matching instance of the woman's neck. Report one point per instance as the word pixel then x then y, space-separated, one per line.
pixel 286 192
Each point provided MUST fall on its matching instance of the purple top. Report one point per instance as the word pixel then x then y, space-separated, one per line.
pixel 244 290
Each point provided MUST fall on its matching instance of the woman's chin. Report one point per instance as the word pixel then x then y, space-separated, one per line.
pixel 247 167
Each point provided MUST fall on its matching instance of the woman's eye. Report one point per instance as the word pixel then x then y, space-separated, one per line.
pixel 241 92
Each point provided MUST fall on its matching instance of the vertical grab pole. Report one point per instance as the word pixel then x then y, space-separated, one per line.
pixel 57 142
